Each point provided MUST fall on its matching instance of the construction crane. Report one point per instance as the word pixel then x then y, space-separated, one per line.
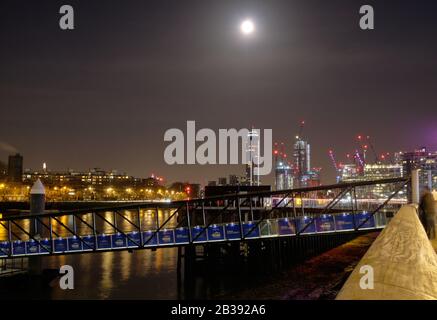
pixel 279 152
pixel 331 155
pixel 336 166
pixel 275 153
pixel 389 157
pixel 365 143
pixel 360 161
pixel 372 148
pixel 302 124
pixel 363 148
pixel 386 157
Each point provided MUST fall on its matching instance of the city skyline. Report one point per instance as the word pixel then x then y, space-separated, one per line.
pixel 111 98
pixel 391 158
pixel 212 157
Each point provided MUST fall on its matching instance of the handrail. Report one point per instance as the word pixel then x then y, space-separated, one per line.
pixel 232 196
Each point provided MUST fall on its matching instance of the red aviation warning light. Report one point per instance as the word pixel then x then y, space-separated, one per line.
pixel 188 189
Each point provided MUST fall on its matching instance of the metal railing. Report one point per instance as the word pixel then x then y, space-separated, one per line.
pixel 240 216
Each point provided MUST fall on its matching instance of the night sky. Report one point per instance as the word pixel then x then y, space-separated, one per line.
pixel 103 95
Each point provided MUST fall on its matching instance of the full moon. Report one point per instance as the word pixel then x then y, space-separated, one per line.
pixel 247 27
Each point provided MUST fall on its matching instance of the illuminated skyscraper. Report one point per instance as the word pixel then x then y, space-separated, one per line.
pixel 301 161
pixel 283 175
pixel 252 158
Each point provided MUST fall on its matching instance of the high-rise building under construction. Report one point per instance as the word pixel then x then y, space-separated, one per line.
pixel 301 156
pixel 283 169
pixel 304 175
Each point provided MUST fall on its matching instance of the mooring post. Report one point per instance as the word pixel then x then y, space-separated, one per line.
pixel 37 206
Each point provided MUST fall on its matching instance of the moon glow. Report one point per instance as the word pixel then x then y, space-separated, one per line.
pixel 247 27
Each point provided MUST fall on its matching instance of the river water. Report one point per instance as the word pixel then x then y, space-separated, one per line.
pixel 140 274
pixel 144 273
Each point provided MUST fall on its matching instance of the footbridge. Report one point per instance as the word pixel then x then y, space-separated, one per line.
pixel 333 209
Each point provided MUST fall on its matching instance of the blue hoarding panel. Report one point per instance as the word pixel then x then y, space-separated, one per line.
pixel 4 248
pixel 74 244
pixel 361 217
pixel 198 234
pixel 150 238
pixel 134 239
pixel 344 221
pixel 46 246
pixel 305 223
pixel 118 240
pixel 182 235
pixel 216 233
pixel 325 223
pixel 166 237
pixel 18 247
pixel 233 231
pixel 248 232
pixel 89 243
pixel 61 245
pixel 286 226
pixel 103 241
pixel 32 247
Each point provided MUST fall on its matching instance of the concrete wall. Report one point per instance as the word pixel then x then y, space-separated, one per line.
pixel 403 260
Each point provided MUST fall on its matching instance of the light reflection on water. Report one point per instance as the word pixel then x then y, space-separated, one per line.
pixel 141 274
pixel 147 217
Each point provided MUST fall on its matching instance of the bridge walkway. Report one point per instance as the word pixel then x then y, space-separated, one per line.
pixel 226 218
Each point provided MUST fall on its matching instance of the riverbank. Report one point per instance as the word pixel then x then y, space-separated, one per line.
pixel 318 278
